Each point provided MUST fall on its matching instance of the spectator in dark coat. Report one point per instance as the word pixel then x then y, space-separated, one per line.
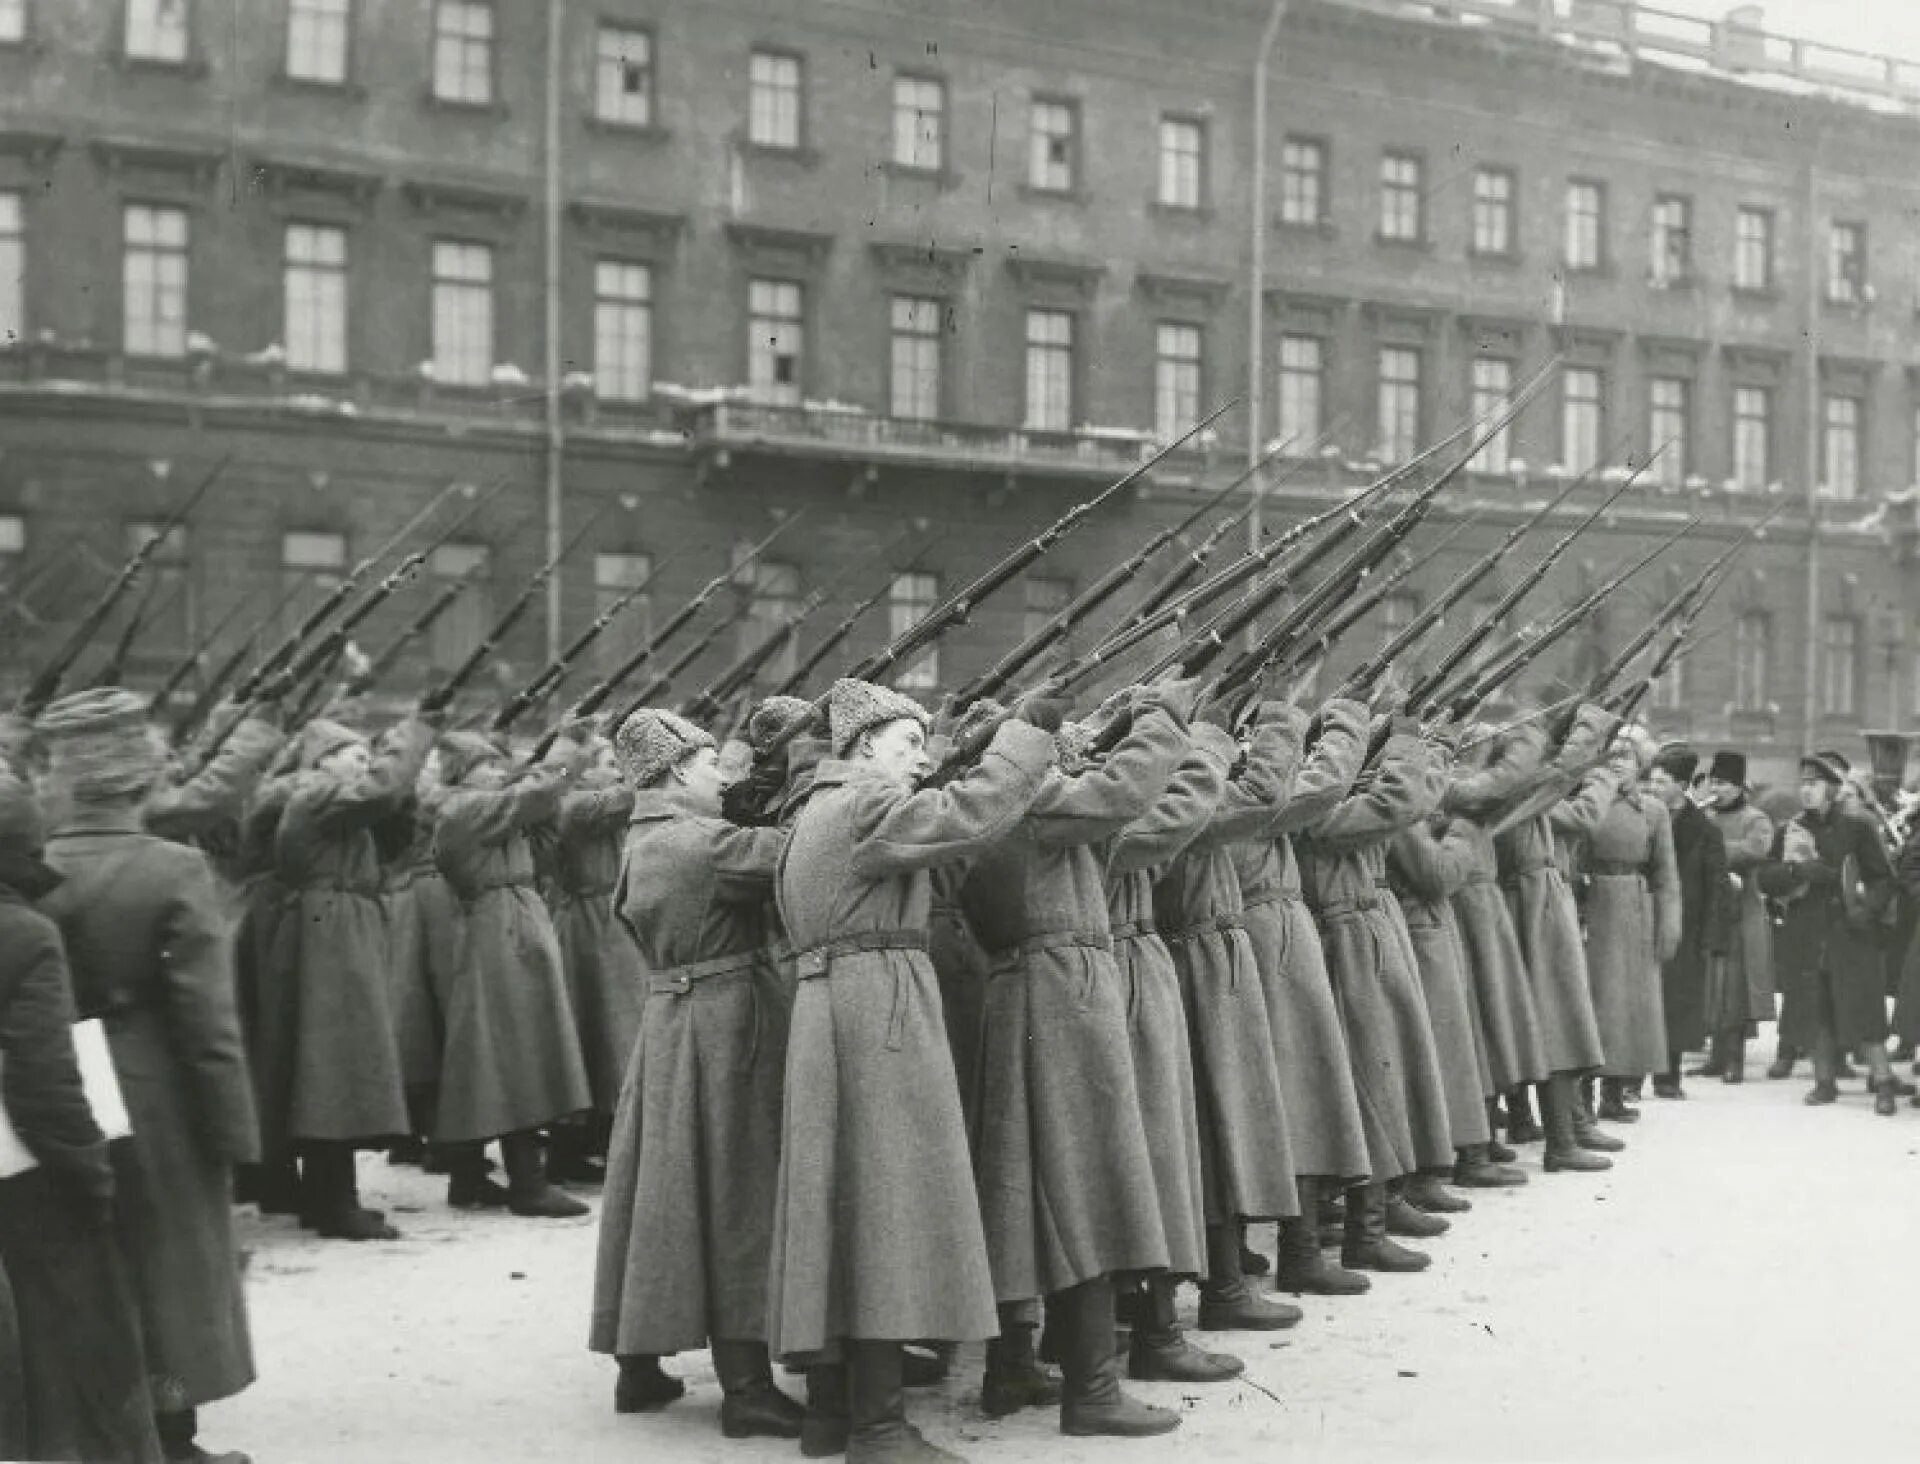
pixel 85 1378
pixel 1706 911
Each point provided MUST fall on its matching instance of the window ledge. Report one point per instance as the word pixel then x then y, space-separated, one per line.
pixel 1185 213
pixel 1756 294
pixel 1421 245
pixel 1679 285
pixel 802 157
pixel 645 132
pixel 1325 228
pixel 435 102
pixel 346 90
pixel 1033 194
pixel 1505 258
pixel 1602 271
pixel 193 68
pixel 941 177
pixel 1846 304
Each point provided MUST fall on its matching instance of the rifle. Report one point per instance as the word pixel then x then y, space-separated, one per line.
pixel 441 695
pixel 202 705
pixel 383 660
pixel 686 658
pixel 988 683
pixel 707 701
pixel 530 695
pixel 956 608
pixel 109 674
pixel 193 658
pixel 46 685
pixel 1683 644
pixel 840 632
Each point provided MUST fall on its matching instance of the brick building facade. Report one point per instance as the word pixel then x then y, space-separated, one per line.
pixel 931 274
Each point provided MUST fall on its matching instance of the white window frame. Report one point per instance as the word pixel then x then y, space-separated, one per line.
pixel 1052 365
pixel 1398 398
pixel 13 22
pixel 1053 145
pixel 463 311
pixel 1303 182
pixel 777 333
pixel 919 123
pixel 776 100
pixel 456 633
pixel 1490 385
pixel 1495 212
pixel 1846 261
pixel 1669 416
pixel 622 330
pixel 159 31
pixel 1583 417
pixel 156 275
pixel 320 41
pixel 1179 366
pixel 1753 232
pixel 1585 245
pixel 614 573
pixel 1670 241
pixel 1752 455
pixel 622 54
pixel 910 599
pixel 314 296
pixel 1183 162
pixel 465 33
pixel 1842 430
pixel 1752 661
pixel 915 340
pixel 1402 202
pixel 13 267
pixel 1840 666
pixel 1303 390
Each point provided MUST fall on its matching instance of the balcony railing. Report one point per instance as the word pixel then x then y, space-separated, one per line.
pixel 837 432
pixel 1732 47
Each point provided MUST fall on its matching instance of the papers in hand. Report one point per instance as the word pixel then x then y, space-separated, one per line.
pixel 97 1080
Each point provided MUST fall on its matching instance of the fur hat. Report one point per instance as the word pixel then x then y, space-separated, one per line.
pixel 772 718
pixel 1826 765
pixel 99 744
pixel 1678 761
pixel 462 752
pixel 321 738
pixel 1074 743
pixel 854 706
pixel 651 743
pixel 1729 767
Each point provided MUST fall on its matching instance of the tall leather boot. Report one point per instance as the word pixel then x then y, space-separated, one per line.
pixel 1559 1097
pixel 529 1192
pixel 468 1187
pixel 1014 1378
pixel 1304 1268
pixel 1367 1247
pixel 1498 1152
pixel 751 1407
pixel 1092 1401
pixel 1252 1262
pixel 1735 1041
pixel 1424 1191
pixel 1227 1302
pixel 1160 1352
pixel 643 1387
pixel 1715 1063
pixel 177 1430
pixel 1406 1219
pixel 1474 1168
pixel 1667 1084
pixel 330 1196
pixel 877 1409
pixel 1522 1127
pixel 1784 1057
pixel 567 1159
pixel 824 1429
pixel 1613 1101
pixel 1587 1132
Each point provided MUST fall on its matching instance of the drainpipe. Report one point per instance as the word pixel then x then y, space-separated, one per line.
pixel 556 433
pixel 1257 271
pixel 1810 662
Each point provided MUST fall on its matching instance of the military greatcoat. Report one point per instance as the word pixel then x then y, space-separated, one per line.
pixel 877 1227
pixel 602 966
pixel 1632 918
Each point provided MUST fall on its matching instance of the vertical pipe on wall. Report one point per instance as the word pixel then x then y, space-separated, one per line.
pixel 1257 274
pixel 1810 463
pixel 556 438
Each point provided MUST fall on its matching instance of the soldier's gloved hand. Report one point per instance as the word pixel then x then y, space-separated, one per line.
pixel 1218 712
pixel 1178 699
pixel 1042 707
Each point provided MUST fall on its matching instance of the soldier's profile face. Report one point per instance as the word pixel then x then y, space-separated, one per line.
pixel 1664 786
pixel 1815 793
pixel 348 762
pixel 698 774
pixel 898 749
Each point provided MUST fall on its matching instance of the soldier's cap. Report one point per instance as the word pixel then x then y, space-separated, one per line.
pixel 99 744
pixel 21 832
pixel 322 737
pixel 1823 765
pixel 1729 767
pixel 651 743
pixel 854 706
pixel 1678 761
pixel 1837 759
pixel 772 718
pixel 461 752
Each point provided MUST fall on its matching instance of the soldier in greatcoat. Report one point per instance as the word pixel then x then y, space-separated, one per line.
pixel 1065 1177
pixel 1324 1125
pixel 191 805
pixel 1746 997
pixel 1829 869
pixel 1632 920
pixel 686 1223
pixel 877 1235
pixel 84 1375
pixel 1697 968
pixel 338 1086
pixel 511 1061
pixel 150 957
pixel 1371 963
pixel 1246 1152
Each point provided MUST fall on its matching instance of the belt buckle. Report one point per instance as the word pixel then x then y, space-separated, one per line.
pixel 811 964
pixel 676 985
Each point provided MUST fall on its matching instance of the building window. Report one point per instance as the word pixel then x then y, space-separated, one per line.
pixel 1051 146
pixel 622 330
pixel 1753 249
pixel 1581 419
pixel 1303 181
pixel 1667 692
pixel 919 123
pixel 456 633
pixel 1183 156
pixel 916 324
pixel 13 268
pixel 463 51
pixel 13 22
pixel 1752 437
pixel 1671 238
pixel 1399 403
pixel 155 299
pixel 910 601
pixel 1176 379
pixel 1840 447
pixel 1400 186
pixel 1847 263
pixel 1303 375
pixel 1586 225
pixel 157 30
pixel 317 40
pixel 13 542
pixel 311 565
pixel 1669 429
pixel 1046 596
pixel 1493 230
pixel 462 313
pixel 775 340
pixel 1752 659
pixel 613 576
pixel 1839 665
pixel 623 75
pixel 168 629
pixel 1492 392
pixel 1049 370
pixel 773 100
pixel 316 298
pixel 773 602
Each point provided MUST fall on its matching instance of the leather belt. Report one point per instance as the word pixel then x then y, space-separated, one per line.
pixel 1339 909
pixel 814 960
pixel 1224 924
pixel 1616 869
pixel 679 980
pixel 1055 940
pixel 1134 930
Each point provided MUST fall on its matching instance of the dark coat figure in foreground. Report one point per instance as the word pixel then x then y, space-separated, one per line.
pixel 1741 994
pixel 1697 967
pixel 151 956
pixel 1830 872
pixel 84 1373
